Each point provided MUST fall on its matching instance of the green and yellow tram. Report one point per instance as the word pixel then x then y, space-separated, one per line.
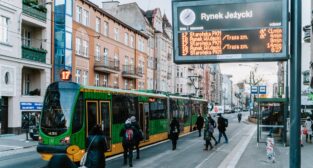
pixel 71 110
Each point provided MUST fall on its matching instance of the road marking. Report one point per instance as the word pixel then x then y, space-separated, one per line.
pixel 8 146
pixel 149 146
pixel 233 157
pixel 218 149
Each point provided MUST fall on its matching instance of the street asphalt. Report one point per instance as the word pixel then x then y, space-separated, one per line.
pixel 241 151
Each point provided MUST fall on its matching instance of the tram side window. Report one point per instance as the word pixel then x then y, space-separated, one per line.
pixel 78 116
pixel 119 109
pixel 158 109
pixel 174 109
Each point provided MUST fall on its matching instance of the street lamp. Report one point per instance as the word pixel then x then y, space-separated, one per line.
pixel 250 83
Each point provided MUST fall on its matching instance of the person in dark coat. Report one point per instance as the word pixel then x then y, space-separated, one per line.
pixel 221 128
pixel 128 145
pixel 213 124
pixel 97 147
pixel 174 132
pixel 199 123
pixel 138 135
pixel 60 161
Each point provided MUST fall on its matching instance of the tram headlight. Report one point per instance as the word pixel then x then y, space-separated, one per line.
pixel 66 140
pixel 39 139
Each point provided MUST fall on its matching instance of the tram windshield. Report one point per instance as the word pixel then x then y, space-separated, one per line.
pixel 58 103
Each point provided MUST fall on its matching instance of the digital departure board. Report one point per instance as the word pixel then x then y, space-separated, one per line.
pixel 235 31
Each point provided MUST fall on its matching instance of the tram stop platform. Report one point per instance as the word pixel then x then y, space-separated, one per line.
pixel 9 142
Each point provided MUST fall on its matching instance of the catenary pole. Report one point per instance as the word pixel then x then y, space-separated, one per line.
pixel 295 85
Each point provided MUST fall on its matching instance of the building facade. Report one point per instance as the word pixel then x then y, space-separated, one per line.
pixel 25 62
pixel 105 50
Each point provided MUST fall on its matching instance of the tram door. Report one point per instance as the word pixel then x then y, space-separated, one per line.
pixel 144 119
pixel 98 112
pixel 105 121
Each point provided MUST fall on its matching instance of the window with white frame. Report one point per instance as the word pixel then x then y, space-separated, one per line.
pixel 105 80
pixel 97 57
pixel 105 53
pixel 126 39
pixel 79 14
pixel 98 21
pixel 97 80
pixel 116 34
pixel 26 37
pixel 126 60
pixel 85 17
pixel 181 88
pixel 132 41
pixel 116 60
pixel 4 29
pixel 85 78
pixel 177 88
pixel 77 76
pixel 116 82
pixel 106 28
pixel 131 85
pixel 78 46
pixel 126 84
pixel 85 48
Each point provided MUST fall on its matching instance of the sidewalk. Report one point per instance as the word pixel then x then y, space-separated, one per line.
pixel 13 142
pixel 255 156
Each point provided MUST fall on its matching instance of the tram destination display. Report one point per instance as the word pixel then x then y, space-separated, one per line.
pixel 235 31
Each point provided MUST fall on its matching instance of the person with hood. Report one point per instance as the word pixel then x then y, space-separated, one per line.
pixel 199 123
pixel 138 135
pixel 61 161
pixel 174 132
pixel 127 134
pixel 308 125
pixel 97 146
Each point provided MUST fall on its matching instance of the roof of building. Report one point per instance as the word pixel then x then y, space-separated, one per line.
pixel 97 8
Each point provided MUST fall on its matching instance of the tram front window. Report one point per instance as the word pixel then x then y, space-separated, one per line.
pixel 57 110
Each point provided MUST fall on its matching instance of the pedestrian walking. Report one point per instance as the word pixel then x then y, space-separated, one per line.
pixel 213 124
pixel 208 132
pixel 239 117
pixel 127 134
pixel 138 135
pixel 174 132
pixel 308 126
pixel 97 146
pixel 222 124
pixel 199 123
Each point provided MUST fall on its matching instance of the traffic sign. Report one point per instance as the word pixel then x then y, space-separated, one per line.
pixel 262 89
pixel 254 90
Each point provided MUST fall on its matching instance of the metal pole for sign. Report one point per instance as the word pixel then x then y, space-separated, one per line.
pixel 250 101
pixel 286 104
pixel 295 84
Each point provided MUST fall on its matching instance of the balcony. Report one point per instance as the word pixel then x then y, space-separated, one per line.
pixel 32 9
pixel 107 65
pixel 34 54
pixel 132 72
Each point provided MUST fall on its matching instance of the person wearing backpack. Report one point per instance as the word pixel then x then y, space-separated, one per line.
pixel 222 123
pixel 174 132
pixel 138 135
pixel 208 129
pixel 127 134
pixel 213 124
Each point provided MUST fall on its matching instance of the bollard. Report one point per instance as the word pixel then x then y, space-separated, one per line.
pixel 270 149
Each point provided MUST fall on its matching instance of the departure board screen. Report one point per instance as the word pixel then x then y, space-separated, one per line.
pixel 237 31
